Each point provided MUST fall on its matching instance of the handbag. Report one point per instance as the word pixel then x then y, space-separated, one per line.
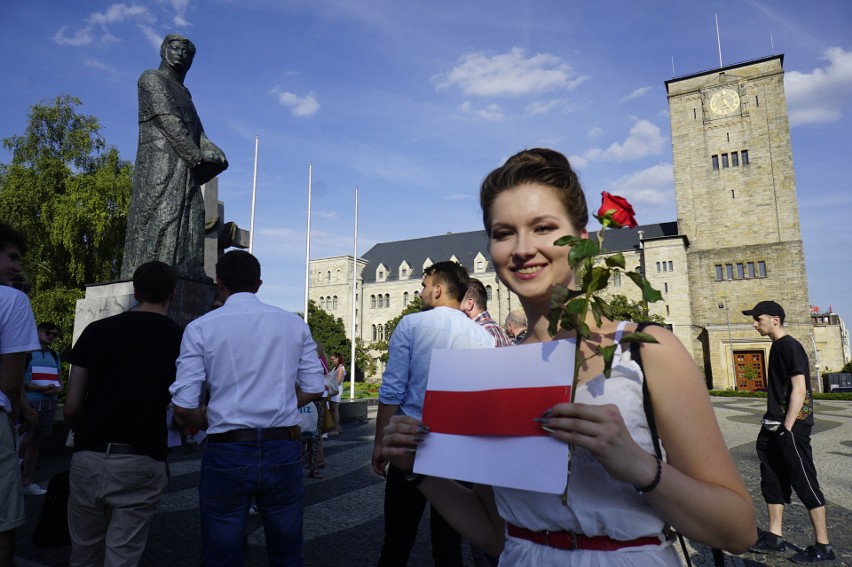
pixel 327 420
pixel 331 386
pixel 308 419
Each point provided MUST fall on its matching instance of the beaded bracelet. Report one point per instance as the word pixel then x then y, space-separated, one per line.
pixel 656 480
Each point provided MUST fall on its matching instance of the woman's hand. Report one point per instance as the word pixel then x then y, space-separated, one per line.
pixel 601 430
pixel 400 440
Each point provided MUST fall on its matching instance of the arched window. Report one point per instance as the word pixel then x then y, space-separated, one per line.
pixel 387 300
pixel 381 302
pixel 405 299
pixel 488 292
pixel 375 334
pixel 416 293
pixel 334 303
pixel 329 276
pixel 387 330
pixel 373 301
pixel 338 275
pixel 322 303
pixel 381 333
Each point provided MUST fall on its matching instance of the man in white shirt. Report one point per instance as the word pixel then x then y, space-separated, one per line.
pixel 259 364
pixel 17 337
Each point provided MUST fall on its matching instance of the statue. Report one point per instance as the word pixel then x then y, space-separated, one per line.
pixel 174 158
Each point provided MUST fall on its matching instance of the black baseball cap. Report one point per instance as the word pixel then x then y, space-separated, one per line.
pixel 766 308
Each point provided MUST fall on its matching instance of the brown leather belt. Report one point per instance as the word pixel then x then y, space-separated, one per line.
pixel 253 435
pixel 571 540
pixel 115 449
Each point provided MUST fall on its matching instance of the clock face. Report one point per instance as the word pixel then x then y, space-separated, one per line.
pixel 725 101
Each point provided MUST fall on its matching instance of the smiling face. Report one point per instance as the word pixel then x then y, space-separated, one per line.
pixel 526 220
pixel 10 264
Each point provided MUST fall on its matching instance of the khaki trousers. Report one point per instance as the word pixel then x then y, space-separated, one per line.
pixel 112 501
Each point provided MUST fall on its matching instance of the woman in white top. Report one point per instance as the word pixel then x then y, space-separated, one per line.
pixel 621 497
pixel 339 372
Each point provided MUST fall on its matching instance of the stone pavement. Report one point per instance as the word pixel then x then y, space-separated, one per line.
pixel 343 511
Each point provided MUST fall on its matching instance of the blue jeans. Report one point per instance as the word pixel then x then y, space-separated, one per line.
pixel 233 473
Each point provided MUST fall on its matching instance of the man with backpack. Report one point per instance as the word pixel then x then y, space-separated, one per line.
pixel 42 383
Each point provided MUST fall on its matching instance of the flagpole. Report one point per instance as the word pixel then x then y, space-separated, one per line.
pixel 718 40
pixel 308 243
pixel 253 195
pixel 354 303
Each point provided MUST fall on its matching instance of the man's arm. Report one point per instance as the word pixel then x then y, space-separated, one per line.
pixel 798 392
pixel 195 417
pixel 303 398
pixel 386 411
pixel 78 384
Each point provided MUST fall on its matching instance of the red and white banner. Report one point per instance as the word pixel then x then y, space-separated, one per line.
pixel 46 376
pixel 480 405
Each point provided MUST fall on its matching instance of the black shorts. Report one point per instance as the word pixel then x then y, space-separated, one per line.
pixel 786 464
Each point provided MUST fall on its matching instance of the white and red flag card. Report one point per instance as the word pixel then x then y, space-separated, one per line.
pixel 46 376
pixel 480 405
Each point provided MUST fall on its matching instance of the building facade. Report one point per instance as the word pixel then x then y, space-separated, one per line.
pixel 736 241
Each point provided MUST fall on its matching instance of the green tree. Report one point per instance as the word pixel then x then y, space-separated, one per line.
pixel 69 193
pixel 382 347
pixel 847 367
pixel 623 309
pixel 330 332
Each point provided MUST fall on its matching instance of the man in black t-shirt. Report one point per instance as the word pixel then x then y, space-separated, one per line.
pixel 784 441
pixel 118 392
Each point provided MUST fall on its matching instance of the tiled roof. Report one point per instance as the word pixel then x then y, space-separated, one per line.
pixel 466 245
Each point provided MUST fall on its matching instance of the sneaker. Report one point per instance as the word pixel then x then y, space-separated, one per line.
pixel 253 510
pixel 34 490
pixel 812 554
pixel 769 543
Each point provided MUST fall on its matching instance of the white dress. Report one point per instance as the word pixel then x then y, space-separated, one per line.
pixel 598 504
pixel 339 386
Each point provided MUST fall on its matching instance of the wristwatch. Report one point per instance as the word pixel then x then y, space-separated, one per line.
pixel 412 477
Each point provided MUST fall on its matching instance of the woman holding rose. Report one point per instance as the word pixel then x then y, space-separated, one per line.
pixel 621 498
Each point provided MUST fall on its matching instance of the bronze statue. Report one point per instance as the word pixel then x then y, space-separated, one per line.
pixel 175 157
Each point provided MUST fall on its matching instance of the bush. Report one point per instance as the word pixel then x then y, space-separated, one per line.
pixel 362 390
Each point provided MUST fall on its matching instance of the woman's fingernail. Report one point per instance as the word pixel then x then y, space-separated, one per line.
pixel 550 430
pixel 423 428
pixel 541 419
pixel 419 438
pixel 547 412
pixel 409 450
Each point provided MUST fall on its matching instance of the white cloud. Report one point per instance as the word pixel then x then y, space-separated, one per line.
pixel 644 140
pixel 299 106
pixel 595 132
pixel 153 37
pixel 637 93
pixel 821 95
pixel 651 186
pixel 80 37
pixel 542 107
pixel 509 74
pixel 96 27
pixel 180 7
pixel 118 13
pixel 100 66
pixel 491 113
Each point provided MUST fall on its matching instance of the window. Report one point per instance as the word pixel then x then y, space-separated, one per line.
pixel 338 275
pixel 724 161
pixel 740 271
pixel 756 101
pixel 479 266
pixel 381 332
pixel 322 303
pixel 750 266
pixel 719 273
pixel 729 269
pixel 387 300
pixel 744 155
pixel 488 292
pixel 616 279
pixel 761 269
pixel 373 301
pixel 334 302
pixel 405 299
pixel 416 293
pixel 404 272
pixel 381 301
pixel 375 334
pixel 671 266
pixel 659 268
pixel 735 159
pixel 667 310
pixel 715 160
pixel 666 286
pixel 381 275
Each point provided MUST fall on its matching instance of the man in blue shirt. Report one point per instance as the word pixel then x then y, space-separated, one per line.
pixel 42 383
pixel 441 324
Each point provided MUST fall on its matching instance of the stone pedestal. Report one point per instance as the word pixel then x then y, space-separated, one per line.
pixel 353 410
pixel 192 299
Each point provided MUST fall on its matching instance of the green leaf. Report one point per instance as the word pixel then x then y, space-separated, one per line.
pixel 596 280
pixel 581 249
pixel 568 240
pixel 596 311
pixel 638 337
pixel 615 260
pixel 649 294
pixel 604 307
pixel 607 353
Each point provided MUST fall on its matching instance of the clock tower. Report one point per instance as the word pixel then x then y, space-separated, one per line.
pixel 736 204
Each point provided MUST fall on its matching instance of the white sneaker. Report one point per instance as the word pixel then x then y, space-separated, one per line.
pixel 34 490
pixel 253 510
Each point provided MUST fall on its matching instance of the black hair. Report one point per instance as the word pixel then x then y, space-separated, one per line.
pixel 476 291
pixel 452 275
pixel 12 236
pixel 154 282
pixel 238 271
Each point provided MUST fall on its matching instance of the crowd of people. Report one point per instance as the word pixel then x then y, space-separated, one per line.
pixel 648 454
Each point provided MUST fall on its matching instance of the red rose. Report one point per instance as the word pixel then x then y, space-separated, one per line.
pixel 622 211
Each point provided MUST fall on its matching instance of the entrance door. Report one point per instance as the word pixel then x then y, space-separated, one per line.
pixel 751 371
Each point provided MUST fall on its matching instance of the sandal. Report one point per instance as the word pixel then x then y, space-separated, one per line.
pixel 315 474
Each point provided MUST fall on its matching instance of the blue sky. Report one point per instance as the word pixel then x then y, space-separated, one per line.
pixel 414 102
